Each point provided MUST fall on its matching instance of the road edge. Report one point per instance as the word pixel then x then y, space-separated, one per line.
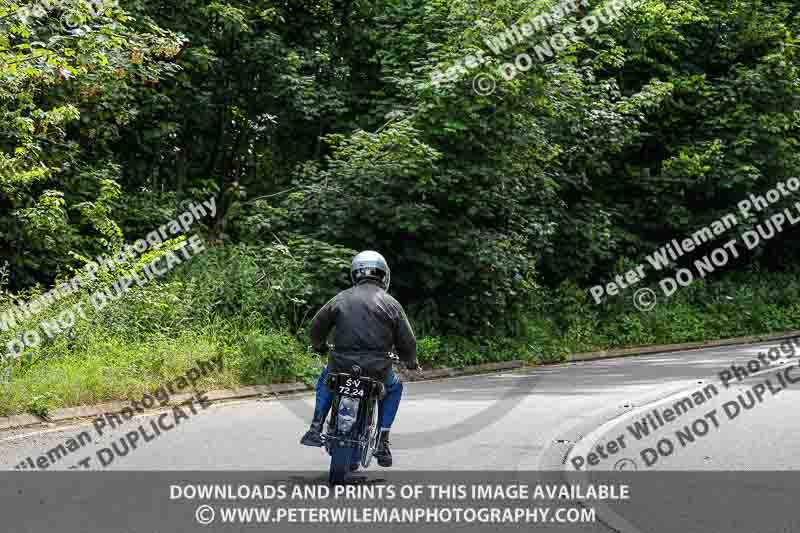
pixel 253 391
pixel 685 346
pixel 281 389
pixel 609 517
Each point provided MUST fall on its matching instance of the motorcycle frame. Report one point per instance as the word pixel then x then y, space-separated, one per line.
pixel 355 437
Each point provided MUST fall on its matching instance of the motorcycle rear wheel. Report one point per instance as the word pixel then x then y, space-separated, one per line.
pixel 341 457
pixel 373 433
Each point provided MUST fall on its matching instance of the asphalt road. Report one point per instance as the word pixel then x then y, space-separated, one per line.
pixel 577 423
pixel 527 420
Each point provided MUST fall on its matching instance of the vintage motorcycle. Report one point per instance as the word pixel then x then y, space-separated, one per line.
pixel 354 423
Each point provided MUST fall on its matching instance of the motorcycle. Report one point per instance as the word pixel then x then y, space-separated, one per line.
pixel 354 424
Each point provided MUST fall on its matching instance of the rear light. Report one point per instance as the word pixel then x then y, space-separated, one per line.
pixel 348 411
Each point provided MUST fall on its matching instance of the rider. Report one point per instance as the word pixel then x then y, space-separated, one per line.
pixel 366 319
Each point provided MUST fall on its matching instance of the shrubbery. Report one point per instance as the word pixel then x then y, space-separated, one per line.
pixel 253 303
pixel 734 305
pixel 277 357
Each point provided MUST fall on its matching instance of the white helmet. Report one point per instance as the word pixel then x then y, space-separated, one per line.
pixel 370 265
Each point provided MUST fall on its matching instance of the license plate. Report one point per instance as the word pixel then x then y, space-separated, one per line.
pixel 353 387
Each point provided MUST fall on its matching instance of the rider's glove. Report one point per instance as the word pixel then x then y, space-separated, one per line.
pixel 324 349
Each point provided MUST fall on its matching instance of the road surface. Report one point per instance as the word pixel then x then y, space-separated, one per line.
pixel 674 417
pixel 525 420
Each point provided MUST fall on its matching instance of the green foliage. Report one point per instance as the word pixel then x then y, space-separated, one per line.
pixel 315 127
pixel 458 352
pixel 278 282
pixel 452 232
pixel 41 405
pixel 316 120
pixel 153 335
pixel 277 357
pixel 736 305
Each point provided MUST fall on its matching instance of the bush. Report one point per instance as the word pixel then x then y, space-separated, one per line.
pixel 428 350
pixel 540 337
pixel 458 352
pixel 281 283
pixel 252 304
pixel 276 357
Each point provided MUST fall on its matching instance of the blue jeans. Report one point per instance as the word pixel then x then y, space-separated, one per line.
pixel 387 408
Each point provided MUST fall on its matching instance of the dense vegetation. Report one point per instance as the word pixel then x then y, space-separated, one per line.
pixel 315 126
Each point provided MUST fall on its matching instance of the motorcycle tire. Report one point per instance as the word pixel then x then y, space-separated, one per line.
pixel 341 457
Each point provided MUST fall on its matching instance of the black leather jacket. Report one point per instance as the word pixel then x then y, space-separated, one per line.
pixel 366 319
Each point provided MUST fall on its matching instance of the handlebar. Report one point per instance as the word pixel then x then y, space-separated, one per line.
pixel 396 360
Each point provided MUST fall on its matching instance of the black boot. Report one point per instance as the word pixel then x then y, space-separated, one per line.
pixel 384 454
pixel 313 436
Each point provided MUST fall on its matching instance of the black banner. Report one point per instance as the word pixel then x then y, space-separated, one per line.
pixel 177 502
